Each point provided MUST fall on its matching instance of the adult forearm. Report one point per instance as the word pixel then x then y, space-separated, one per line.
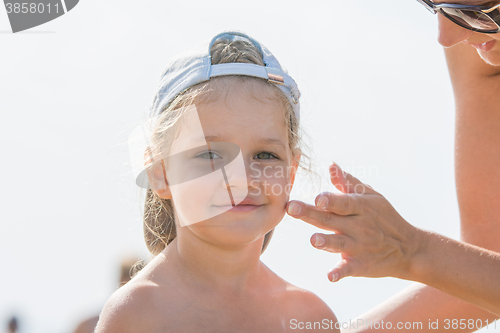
pixel 459 269
pixel 463 273
pixel 420 308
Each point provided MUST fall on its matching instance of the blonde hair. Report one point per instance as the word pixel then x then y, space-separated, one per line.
pixel 158 221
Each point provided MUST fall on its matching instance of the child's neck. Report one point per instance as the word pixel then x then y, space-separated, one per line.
pixel 232 268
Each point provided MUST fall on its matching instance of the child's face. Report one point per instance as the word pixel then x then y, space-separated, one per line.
pixel 231 169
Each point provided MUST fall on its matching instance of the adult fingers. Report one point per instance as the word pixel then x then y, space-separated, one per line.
pixel 317 217
pixel 341 270
pixel 347 183
pixel 338 203
pixel 335 243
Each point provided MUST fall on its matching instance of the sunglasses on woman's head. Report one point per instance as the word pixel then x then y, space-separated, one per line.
pixel 476 18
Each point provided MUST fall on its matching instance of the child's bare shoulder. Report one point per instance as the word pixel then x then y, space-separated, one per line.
pixel 133 307
pixel 308 302
pixel 127 309
pixel 305 307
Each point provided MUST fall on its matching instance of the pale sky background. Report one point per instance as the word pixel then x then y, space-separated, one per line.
pixel 376 98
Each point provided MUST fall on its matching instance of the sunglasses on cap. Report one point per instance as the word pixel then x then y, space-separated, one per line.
pixel 476 18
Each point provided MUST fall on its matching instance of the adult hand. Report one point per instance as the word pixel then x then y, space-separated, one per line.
pixel 373 239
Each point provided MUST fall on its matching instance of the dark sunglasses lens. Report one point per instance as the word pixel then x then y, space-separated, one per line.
pixel 470 18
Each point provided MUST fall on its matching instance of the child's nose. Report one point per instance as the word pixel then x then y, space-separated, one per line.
pixel 238 175
pixel 449 33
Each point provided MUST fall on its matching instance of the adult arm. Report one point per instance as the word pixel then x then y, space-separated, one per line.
pixel 477 93
pixel 462 270
pixel 375 241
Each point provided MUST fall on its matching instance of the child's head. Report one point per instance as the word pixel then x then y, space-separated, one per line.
pixel 233 137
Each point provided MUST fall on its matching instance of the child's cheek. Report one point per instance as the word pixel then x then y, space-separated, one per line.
pixel 200 199
pixel 276 182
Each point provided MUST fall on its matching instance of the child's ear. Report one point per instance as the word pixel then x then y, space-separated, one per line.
pixel 157 175
pixel 295 164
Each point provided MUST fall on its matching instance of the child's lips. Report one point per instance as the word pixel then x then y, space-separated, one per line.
pixel 239 208
pixel 244 208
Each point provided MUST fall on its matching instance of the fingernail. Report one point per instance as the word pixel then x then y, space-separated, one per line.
pixel 335 277
pixel 319 240
pixel 323 201
pixel 294 208
pixel 338 167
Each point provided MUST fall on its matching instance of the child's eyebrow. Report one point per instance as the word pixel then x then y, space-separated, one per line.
pixel 269 141
pixel 219 138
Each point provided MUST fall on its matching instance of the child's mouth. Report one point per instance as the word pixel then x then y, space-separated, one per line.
pixel 240 208
pixel 244 208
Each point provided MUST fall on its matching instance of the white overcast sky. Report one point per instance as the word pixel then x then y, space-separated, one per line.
pixel 376 96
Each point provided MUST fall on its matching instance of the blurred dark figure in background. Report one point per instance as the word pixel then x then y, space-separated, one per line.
pixel 12 325
pixel 128 268
pixel 87 326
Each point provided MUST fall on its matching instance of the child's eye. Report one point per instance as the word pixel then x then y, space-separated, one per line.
pixel 209 155
pixel 266 156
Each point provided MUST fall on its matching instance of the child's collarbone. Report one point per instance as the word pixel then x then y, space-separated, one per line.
pixel 206 312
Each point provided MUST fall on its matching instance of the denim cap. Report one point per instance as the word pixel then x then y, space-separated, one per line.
pixel 189 70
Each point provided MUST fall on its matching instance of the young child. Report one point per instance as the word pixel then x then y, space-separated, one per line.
pixel 221 161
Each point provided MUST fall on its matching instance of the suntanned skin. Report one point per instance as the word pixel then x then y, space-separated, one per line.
pixel 477 145
pixel 375 241
pixel 478 188
pixel 210 277
pixel 476 85
pixel 163 298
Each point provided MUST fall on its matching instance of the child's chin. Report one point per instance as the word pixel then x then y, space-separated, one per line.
pixel 234 235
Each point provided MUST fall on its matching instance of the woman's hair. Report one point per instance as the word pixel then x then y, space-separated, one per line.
pixel 159 223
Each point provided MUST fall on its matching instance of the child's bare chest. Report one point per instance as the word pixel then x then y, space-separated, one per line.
pixel 216 313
